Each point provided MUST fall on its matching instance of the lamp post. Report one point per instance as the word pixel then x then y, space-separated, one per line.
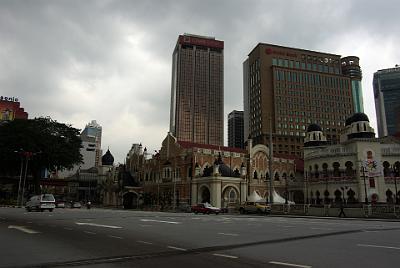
pixel 27 156
pixel 20 176
pixel 286 189
pixel 271 160
pixel 365 184
pixel 395 171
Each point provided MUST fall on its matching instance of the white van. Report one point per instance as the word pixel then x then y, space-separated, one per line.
pixel 41 202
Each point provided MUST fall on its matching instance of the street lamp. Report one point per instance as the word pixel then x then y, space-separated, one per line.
pixel 365 184
pixel 20 175
pixel 395 170
pixel 286 188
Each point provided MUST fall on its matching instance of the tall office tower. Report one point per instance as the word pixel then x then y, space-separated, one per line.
pixel 387 95
pixel 92 132
pixel 351 68
pixel 197 90
pixel 235 129
pixel 288 89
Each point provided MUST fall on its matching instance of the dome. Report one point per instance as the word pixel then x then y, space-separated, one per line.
pixel 357 117
pixel 107 159
pixel 313 127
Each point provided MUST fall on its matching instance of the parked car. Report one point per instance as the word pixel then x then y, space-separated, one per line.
pixel 74 204
pixel 41 203
pixel 60 204
pixel 205 208
pixel 255 207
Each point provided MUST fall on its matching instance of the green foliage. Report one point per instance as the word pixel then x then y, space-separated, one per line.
pixel 54 145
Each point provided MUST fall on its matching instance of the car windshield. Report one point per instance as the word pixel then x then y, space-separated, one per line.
pixel 47 197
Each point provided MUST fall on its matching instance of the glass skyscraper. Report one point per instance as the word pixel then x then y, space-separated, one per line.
pixel 387 100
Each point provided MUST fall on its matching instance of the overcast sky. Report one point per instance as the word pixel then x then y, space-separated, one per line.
pixel 76 61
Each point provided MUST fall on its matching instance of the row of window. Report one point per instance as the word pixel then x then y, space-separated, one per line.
pixel 312 79
pixel 323 68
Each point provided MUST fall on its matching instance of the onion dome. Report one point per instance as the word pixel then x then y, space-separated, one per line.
pixel 357 117
pixel 107 159
pixel 313 127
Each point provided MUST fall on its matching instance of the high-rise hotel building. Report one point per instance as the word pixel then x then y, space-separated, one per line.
pixel 197 90
pixel 288 89
pixel 387 100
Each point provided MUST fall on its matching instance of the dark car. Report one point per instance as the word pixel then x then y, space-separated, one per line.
pixel 205 208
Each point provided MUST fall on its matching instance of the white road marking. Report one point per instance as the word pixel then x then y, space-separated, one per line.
pixel 113 236
pixel 69 229
pixel 226 256
pixel 377 246
pixel 23 229
pixel 181 249
pixel 228 234
pixel 89 232
pixel 144 242
pixel 170 222
pixel 289 264
pixel 98 225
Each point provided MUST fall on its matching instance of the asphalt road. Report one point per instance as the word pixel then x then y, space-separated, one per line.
pixel 118 238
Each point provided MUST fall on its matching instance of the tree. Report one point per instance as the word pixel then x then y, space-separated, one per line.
pixel 54 145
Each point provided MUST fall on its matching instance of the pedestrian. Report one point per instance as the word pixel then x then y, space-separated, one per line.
pixel 342 210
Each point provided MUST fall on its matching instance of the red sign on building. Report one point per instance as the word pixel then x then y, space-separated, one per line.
pixel 10 109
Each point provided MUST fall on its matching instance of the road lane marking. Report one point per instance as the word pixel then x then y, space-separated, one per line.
pixel 89 232
pixel 170 222
pixel 117 237
pixel 69 229
pixel 144 225
pixel 181 249
pixel 377 246
pixel 98 225
pixel 228 234
pixel 144 242
pixel 23 229
pixel 289 264
pixel 225 256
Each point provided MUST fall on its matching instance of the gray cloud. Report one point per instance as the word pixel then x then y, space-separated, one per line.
pixel 111 60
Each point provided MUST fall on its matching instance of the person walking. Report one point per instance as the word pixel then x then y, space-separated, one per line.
pixel 342 210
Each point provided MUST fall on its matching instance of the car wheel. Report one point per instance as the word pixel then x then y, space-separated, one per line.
pixel 241 211
pixel 259 211
pixel 196 212
pixel 51 210
pixel 216 213
pixel 28 209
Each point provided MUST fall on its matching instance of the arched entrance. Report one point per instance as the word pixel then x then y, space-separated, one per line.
pixel 130 200
pixel 298 197
pixel 205 195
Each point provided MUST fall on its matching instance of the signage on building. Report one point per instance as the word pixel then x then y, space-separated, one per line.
pixel 371 166
pixel 281 53
pixel 14 99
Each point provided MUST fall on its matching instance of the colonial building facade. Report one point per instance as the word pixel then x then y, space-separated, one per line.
pixel 185 173
pixel 361 168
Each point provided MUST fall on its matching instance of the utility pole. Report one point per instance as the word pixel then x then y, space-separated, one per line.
pixel 271 160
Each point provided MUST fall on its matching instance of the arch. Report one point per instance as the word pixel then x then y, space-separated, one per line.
pixel 259 148
pixel 204 194
pixel 389 196
pixel 349 168
pixel 336 171
pixel 350 196
pixel 396 168
pixel 316 172
pixel 276 176
pixel 130 200
pixel 386 169
pixel 325 170
pixel 338 196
